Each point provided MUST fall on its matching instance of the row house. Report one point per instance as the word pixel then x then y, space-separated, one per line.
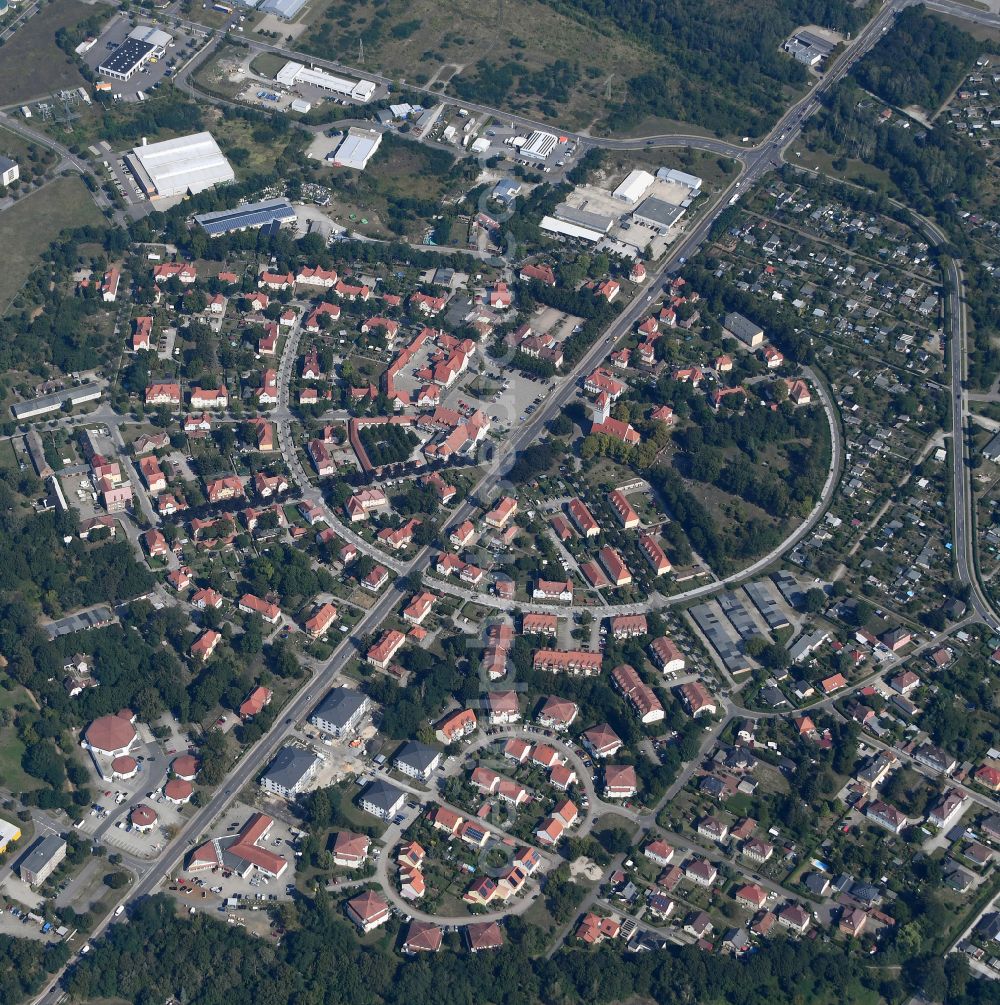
pixel 553 590
pixel 163 394
pixel 318 277
pixel 571 661
pixel 654 554
pixel 639 694
pixel 623 509
pixel 628 626
pixel 583 518
pixel 313 323
pixel 210 397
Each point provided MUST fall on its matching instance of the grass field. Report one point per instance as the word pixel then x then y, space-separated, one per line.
pixel 616 164
pixel 267 64
pixel 418 39
pixel 9 470
pixel 32 65
pixel 13 146
pixel 12 776
pixel 31 225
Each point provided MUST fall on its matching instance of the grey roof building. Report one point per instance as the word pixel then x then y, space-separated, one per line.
pixel 418 760
pixel 992 449
pixel 41 861
pixel 583 218
pixel 382 799
pixel 816 883
pixel 339 713
pixel 808 47
pixel 290 771
pixel 767 603
pixel 745 330
pixel 657 213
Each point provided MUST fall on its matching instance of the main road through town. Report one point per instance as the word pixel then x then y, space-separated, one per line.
pixel 756 162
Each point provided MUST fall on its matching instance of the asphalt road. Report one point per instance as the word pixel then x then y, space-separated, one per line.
pixel 755 162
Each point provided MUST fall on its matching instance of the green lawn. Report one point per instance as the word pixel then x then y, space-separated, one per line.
pixel 12 776
pixel 33 66
pixel 31 225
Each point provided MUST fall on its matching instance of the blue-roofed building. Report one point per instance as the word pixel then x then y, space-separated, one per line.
pixel 253 216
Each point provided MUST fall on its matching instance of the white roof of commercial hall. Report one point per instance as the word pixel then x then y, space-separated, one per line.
pixel 357 148
pixel 187 163
pixel 554 226
pixel 283 8
pixel 634 187
pixel 154 36
pixel 297 73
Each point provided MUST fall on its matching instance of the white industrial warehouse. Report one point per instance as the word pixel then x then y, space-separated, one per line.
pixel 634 187
pixel 293 73
pixel 357 148
pixel 186 164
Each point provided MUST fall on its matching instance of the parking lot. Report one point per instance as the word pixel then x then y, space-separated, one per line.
pixel 122 178
pixel 210 889
pixel 149 77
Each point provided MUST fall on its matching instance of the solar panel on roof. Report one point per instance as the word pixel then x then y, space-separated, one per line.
pixel 262 214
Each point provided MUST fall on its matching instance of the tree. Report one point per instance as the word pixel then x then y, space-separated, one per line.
pixel 775 657
pixel 116 880
pixel 862 613
pixel 814 601
pixel 754 646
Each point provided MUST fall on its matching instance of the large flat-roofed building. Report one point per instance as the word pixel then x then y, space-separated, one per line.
pixel 293 73
pixel 657 213
pixel 691 181
pixel 125 61
pixel 9 833
pixel 143 43
pixel 176 167
pixel 539 145
pixel 156 37
pixel 356 149
pixel 252 216
pixel 42 860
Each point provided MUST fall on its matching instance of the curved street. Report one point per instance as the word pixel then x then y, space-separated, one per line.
pixel 755 162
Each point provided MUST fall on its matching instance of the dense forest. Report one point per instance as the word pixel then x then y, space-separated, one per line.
pixel 920 62
pixel 723 67
pixel 24 964
pixel 159 955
